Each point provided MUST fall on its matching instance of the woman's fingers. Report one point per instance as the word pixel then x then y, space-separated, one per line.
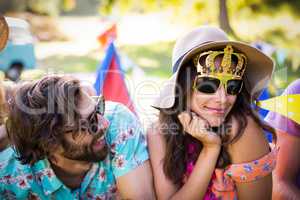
pixel 199 125
pixel 198 128
pixel 185 120
pixel 192 124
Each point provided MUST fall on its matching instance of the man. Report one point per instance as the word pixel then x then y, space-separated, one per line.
pixel 67 146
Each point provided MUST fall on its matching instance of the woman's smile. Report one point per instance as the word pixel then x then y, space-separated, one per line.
pixel 215 110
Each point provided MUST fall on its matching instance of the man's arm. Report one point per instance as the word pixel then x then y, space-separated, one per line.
pixel 137 184
pixel 287 167
pixel 130 158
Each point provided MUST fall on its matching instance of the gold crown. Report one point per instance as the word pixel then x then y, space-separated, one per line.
pixel 226 64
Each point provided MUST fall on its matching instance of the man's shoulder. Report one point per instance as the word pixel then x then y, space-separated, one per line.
pixel 113 108
pixel 123 125
pixel 118 114
pixel 17 181
pixel 10 165
pixel 7 160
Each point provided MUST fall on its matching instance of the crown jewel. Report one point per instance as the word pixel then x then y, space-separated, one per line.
pixel 226 66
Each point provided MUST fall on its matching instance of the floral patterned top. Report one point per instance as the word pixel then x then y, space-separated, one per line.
pixel 128 149
pixel 222 184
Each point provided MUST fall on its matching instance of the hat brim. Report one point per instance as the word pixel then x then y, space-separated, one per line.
pixel 3 32
pixel 258 72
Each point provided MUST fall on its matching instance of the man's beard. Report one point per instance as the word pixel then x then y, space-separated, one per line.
pixel 84 152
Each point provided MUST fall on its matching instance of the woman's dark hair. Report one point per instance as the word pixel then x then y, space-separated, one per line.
pixel 38 113
pixel 176 158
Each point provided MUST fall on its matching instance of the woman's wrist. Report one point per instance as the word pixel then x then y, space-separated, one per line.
pixel 211 148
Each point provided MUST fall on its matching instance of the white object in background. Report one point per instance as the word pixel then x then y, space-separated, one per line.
pixel 126 63
pixel 19 31
pixel 264 47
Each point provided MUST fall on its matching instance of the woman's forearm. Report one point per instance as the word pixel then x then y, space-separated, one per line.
pixel 197 183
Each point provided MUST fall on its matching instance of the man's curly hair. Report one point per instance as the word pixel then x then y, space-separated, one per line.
pixel 39 111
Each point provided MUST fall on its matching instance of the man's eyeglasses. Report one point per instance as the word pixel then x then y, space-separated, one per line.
pixel 100 105
pixel 209 85
pixel 92 123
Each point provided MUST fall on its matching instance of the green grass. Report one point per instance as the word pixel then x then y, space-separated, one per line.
pixel 154 59
pixel 70 64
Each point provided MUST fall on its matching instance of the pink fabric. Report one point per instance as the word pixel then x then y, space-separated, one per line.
pixel 222 184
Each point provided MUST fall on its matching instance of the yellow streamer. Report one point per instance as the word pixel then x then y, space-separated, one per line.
pixel 286 105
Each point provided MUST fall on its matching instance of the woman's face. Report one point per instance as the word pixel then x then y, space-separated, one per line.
pixel 212 107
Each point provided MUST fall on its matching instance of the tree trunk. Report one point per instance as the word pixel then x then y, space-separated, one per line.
pixel 12 6
pixel 224 19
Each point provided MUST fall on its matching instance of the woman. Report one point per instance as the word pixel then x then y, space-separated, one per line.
pixel 208 143
pixel 286 183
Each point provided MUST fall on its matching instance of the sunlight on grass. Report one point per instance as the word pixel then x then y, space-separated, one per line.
pixel 154 59
pixel 148 62
pixel 69 64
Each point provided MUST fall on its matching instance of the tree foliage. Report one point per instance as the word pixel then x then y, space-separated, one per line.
pixel 43 7
pixel 270 7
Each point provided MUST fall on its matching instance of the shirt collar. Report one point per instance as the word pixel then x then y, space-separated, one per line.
pixel 89 177
pixel 49 181
pixel 46 177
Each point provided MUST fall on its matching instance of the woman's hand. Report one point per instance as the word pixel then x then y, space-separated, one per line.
pixel 199 129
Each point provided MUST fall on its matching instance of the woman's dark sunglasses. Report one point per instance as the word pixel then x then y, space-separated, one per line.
pixel 209 85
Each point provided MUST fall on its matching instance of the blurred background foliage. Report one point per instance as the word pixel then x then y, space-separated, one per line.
pixel 49 7
pixel 275 22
